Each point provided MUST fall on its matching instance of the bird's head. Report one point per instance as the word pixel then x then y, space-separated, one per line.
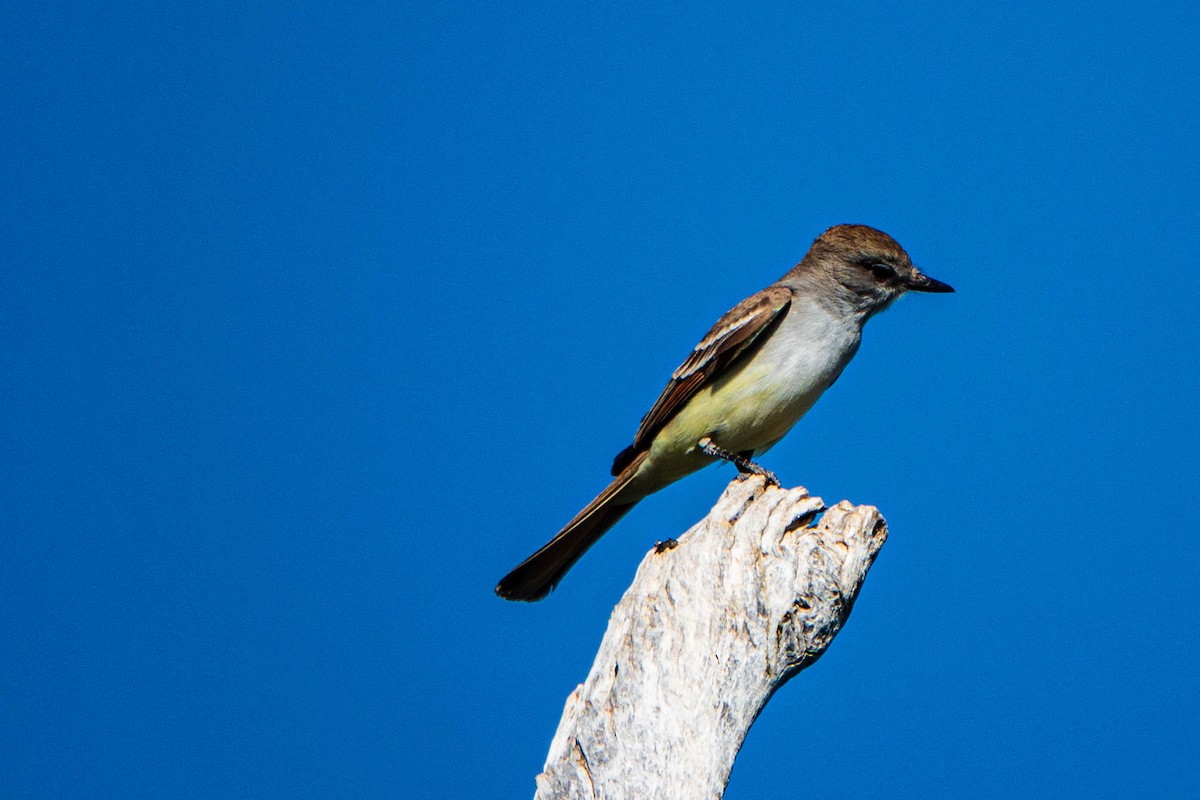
pixel 866 268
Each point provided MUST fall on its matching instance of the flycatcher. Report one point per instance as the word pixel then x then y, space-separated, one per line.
pixel 751 378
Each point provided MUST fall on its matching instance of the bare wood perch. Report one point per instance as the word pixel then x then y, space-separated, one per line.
pixel 707 632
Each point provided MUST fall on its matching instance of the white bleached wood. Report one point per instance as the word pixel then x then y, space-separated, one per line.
pixel 703 637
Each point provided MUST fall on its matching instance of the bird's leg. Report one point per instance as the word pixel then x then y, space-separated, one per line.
pixel 742 462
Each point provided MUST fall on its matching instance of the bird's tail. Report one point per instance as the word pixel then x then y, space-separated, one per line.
pixel 537 575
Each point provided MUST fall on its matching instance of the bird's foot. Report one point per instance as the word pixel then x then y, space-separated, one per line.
pixel 742 461
pixel 665 545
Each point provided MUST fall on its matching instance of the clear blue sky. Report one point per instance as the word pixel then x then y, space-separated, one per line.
pixel 315 320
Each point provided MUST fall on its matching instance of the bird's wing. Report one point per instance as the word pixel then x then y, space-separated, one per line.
pixel 733 334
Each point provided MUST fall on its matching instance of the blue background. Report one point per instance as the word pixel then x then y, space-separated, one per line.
pixel 314 321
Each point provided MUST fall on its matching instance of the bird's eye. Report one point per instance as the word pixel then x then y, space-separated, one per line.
pixel 882 272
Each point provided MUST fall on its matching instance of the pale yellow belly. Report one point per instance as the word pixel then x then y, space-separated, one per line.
pixel 749 412
pixel 754 405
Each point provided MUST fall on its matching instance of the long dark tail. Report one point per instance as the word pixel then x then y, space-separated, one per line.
pixel 537 575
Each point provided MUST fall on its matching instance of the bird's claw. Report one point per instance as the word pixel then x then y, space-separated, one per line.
pixel 744 465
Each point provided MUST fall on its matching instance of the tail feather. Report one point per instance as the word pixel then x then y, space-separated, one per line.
pixel 536 576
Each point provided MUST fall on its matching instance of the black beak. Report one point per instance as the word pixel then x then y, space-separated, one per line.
pixel 920 282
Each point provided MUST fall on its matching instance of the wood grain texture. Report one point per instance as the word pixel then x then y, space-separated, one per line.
pixel 706 633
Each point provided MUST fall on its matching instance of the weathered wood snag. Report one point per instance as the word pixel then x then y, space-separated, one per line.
pixel 709 629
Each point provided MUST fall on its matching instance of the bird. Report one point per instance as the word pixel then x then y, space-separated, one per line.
pixel 751 378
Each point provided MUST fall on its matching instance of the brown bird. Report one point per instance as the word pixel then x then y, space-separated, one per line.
pixel 749 380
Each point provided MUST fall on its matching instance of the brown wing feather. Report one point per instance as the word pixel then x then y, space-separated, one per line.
pixel 729 338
